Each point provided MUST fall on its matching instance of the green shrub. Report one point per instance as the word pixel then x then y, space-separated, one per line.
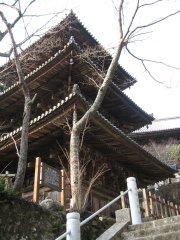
pixel 174 151
pixel 2 183
pixel 9 192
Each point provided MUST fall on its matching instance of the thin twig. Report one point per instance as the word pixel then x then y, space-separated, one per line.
pixel 6 167
pixel 152 61
pixel 17 150
pixel 83 133
pixel 64 169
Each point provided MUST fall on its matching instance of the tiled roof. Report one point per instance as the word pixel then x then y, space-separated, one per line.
pixel 130 144
pixel 92 36
pixel 120 69
pixel 161 125
pixel 74 43
pixel 39 67
pixel 132 103
pixel 38 118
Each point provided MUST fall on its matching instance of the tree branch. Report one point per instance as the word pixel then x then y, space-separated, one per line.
pixel 152 61
pixel 17 61
pixel 17 150
pixel 120 11
pixel 153 23
pixel 132 20
pixel 20 14
pixel 150 4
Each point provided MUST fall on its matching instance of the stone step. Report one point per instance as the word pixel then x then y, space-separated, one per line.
pixel 168 228
pixel 165 236
pixel 159 222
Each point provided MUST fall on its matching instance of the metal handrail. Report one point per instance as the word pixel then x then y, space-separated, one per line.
pixel 103 208
pixel 63 235
pixel 95 214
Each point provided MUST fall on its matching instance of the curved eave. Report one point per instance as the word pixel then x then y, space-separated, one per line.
pixel 41 73
pixel 134 156
pixel 40 122
pixel 145 158
pixel 46 70
pixel 132 105
pixel 161 134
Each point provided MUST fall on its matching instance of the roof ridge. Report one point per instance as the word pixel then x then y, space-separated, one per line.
pixel 167 118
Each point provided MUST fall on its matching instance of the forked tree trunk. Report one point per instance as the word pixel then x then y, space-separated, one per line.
pixel 77 127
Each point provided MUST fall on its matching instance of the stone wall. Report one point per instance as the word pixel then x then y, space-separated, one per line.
pixel 22 220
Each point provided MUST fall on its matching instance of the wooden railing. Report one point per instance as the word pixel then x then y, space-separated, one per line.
pixel 158 207
pixel 152 205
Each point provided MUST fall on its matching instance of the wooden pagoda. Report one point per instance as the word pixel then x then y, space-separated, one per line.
pixel 65 57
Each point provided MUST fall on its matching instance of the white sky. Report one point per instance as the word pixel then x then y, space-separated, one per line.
pixel 161 45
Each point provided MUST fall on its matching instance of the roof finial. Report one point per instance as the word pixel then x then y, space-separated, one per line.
pixel 76 89
pixel 71 40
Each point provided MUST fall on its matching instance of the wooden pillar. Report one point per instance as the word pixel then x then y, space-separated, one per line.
pixel 172 209
pixel 161 208
pixel 176 209
pixel 36 180
pixel 146 202
pixel 169 209
pixel 123 204
pixel 62 193
pixel 156 203
pixel 165 208
pixel 151 203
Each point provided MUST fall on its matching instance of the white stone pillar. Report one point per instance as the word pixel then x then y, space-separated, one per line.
pixel 73 225
pixel 133 201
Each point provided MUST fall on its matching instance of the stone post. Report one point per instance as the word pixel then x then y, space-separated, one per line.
pixel 73 225
pixel 133 201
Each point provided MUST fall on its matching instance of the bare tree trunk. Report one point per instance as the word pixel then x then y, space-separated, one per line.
pixel 22 162
pixel 26 114
pixel 77 127
pixel 74 168
pixel 74 163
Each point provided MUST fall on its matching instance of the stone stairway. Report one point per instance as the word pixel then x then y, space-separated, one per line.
pixel 162 229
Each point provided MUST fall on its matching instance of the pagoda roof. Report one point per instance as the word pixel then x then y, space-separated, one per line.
pixel 13 95
pixel 54 40
pixel 104 135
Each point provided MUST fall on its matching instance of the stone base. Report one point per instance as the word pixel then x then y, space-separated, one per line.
pixel 123 215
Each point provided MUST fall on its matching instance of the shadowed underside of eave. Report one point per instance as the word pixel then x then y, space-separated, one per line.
pixel 110 140
pixel 41 78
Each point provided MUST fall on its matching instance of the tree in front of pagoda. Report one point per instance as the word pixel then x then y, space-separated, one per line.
pixel 127 33
pixel 21 170
pixel 20 15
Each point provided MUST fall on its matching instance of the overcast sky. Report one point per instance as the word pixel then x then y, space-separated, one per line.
pixel 162 45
